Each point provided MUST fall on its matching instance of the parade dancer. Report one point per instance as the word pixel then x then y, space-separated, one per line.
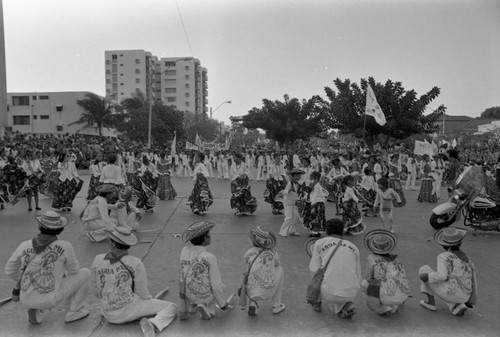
pixel 290 197
pixel 201 197
pixel 68 185
pixel 165 189
pixel 241 196
pixel 34 178
pixel 454 280
pixel 120 283
pixel 263 273
pixel 95 174
pixel 201 286
pixel 411 164
pixel 314 219
pixel 274 185
pixel 385 280
pixel 384 199
pixel 148 180
pixel 47 272
pixel 394 182
pixel 427 190
pixel 260 167
pixel 352 216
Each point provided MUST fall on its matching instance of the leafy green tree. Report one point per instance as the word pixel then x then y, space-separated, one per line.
pixel 206 128
pixel 403 110
pixel 491 113
pixel 288 121
pixel 98 112
pixel 165 121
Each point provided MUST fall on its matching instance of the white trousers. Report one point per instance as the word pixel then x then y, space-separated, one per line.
pixel 411 181
pixel 73 292
pixel 164 311
pixel 291 220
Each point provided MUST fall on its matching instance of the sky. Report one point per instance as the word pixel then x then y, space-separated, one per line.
pixel 264 49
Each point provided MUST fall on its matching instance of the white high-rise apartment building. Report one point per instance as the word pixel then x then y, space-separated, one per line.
pixel 177 81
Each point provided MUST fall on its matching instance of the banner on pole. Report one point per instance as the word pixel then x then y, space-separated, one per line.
pixel 172 147
pixel 422 148
pixel 190 146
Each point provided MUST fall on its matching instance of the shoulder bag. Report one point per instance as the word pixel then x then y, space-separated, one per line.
pixel 314 288
pixel 242 292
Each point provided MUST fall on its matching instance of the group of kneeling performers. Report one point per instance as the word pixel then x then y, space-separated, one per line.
pixel 48 274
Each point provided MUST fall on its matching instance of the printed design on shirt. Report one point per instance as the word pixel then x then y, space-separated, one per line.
pixel 459 276
pixel 198 280
pixel 40 273
pixel 393 276
pixel 114 288
pixel 263 272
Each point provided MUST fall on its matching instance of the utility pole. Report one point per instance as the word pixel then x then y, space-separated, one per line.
pixel 3 78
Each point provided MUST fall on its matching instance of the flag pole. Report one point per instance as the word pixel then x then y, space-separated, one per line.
pixel 364 127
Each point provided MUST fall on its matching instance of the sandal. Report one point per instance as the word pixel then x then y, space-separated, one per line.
pixel 459 309
pixel 347 311
pixel 252 309
pixel 428 306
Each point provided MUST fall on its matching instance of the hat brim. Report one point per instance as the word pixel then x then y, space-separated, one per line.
pixel 64 222
pixel 438 237
pixel 190 234
pixel 308 245
pixel 368 240
pixel 273 240
pixel 129 240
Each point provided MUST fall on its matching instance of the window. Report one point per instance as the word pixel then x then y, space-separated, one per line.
pixel 170 72
pixel 115 87
pixel 137 80
pixel 172 81
pixel 138 71
pixel 170 99
pixel 108 62
pixel 187 103
pixel 114 57
pixel 21 120
pixel 187 94
pixel 137 61
pixel 122 93
pixel 108 81
pixel 115 78
pixel 108 91
pixel 33 98
pixel 114 68
pixel 186 77
pixel 59 128
pixel 170 90
pixel 187 85
pixel 121 64
pixel 108 72
pixel 44 116
pixel 170 64
pixel 44 97
pixel 121 55
pixel 187 67
pixel 20 100
pixel 121 83
pixel 35 117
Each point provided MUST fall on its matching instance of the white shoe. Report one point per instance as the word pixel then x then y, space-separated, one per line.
pixel 148 329
pixel 72 316
pixel 279 309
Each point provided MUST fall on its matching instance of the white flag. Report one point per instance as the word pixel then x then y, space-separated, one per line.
pixel 172 147
pixel 372 107
pixel 454 143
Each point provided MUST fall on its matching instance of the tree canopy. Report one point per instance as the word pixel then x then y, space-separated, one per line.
pixel 98 111
pixel 165 120
pixel 491 113
pixel 403 109
pixel 288 120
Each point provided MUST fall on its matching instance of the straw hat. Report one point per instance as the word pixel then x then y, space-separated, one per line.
pixel 380 241
pixel 262 238
pixel 296 171
pixel 308 245
pixel 122 235
pixel 106 188
pixel 450 236
pixel 196 229
pixel 125 193
pixel 51 220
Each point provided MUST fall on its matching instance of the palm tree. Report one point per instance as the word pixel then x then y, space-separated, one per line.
pixel 98 111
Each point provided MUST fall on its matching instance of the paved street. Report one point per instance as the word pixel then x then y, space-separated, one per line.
pixel 229 242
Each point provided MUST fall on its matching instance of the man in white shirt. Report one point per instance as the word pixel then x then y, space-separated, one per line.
pixel 342 278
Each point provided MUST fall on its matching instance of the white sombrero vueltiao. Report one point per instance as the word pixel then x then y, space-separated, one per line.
pixel 261 238
pixel 122 235
pixel 51 220
pixel 450 236
pixel 196 229
pixel 380 241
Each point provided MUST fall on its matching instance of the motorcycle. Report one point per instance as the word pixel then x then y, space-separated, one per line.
pixel 479 211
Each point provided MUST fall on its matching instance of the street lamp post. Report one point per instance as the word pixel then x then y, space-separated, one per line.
pixel 150 98
pixel 211 112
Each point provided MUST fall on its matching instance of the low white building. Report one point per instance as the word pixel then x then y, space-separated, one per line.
pixel 49 113
pixel 493 126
